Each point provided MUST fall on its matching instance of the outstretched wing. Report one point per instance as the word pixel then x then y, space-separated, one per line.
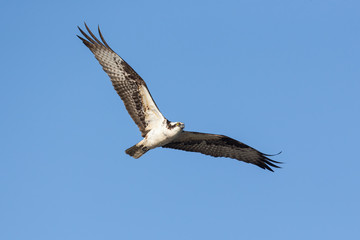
pixel 128 84
pixel 221 146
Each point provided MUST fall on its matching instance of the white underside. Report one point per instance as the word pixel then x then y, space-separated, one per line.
pixel 160 135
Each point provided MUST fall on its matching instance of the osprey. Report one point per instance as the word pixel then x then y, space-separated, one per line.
pixel 156 130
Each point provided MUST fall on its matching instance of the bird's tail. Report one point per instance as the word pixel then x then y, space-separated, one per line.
pixel 137 150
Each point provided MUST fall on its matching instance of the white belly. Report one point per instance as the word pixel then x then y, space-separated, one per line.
pixel 160 136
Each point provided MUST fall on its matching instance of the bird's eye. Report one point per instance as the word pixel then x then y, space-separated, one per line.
pixel 178 124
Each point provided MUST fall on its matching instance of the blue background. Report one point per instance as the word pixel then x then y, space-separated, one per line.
pixel 277 75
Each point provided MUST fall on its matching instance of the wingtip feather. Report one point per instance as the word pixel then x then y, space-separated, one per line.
pixel 93 36
pixel 102 38
pixel 92 39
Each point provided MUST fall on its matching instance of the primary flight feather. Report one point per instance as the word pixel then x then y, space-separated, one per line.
pixel 154 127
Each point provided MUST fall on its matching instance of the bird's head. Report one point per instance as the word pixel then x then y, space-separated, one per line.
pixel 180 125
pixel 172 125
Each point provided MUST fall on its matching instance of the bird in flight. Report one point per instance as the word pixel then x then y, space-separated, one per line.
pixel 156 130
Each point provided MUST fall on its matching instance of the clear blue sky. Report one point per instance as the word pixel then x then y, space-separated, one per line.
pixel 277 75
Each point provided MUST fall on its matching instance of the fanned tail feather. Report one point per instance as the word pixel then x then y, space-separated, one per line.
pixel 137 150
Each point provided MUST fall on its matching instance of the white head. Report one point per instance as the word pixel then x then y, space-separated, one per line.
pixel 175 125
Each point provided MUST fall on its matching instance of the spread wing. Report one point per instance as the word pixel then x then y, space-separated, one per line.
pixel 221 146
pixel 128 84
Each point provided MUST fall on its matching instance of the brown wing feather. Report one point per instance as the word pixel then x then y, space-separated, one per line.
pixel 128 84
pixel 221 146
